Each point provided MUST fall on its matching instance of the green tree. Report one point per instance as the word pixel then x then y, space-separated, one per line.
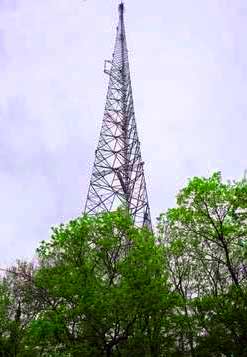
pixel 205 238
pixel 106 289
pixel 19 305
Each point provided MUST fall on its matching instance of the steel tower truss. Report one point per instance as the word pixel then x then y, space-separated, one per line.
pixel 118 174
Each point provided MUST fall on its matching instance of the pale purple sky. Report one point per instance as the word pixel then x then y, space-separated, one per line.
pixel 189 73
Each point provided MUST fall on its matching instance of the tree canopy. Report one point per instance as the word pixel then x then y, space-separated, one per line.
pixel 103 287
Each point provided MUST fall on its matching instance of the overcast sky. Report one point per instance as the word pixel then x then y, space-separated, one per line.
pixel 188 63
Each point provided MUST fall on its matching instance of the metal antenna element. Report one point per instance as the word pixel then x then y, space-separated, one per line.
pixel 118 173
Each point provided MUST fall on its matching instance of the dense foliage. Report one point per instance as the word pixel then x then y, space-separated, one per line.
pixel 103 287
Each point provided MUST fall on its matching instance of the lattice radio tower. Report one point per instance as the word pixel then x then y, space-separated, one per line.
pixel 118 174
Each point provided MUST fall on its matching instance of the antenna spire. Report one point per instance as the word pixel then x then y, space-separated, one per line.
pixel 118 172
pixel 121 8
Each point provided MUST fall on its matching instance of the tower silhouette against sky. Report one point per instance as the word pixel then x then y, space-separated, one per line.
pixel 118 171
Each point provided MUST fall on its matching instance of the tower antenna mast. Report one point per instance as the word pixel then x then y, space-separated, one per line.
pixel 118 171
